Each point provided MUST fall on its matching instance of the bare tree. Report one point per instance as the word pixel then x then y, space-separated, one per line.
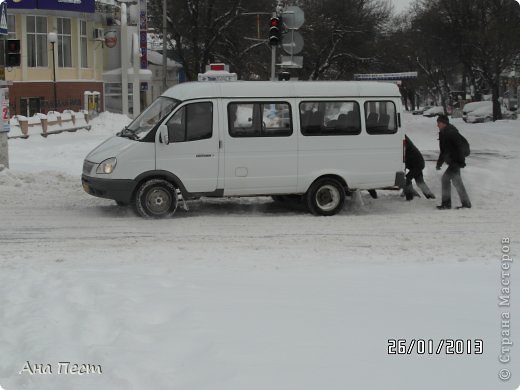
pixel 488 36
pixel 340 35
pixel 196 27
pixel 476 39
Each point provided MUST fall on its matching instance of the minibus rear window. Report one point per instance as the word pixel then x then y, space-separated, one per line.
pixel 259 119
pixel 320 118
pixel 380 117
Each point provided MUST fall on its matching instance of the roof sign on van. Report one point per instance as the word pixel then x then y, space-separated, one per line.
pixel 217 72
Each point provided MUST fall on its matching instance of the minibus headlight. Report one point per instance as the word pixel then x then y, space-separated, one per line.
pixel 107 166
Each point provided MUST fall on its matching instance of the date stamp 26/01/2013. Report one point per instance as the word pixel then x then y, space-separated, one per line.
pixel 432 347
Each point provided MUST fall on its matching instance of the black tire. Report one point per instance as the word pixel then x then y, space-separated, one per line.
pixel 325 197
pixel 156 198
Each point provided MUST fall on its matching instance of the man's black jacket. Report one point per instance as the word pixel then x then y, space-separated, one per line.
pixel 450 144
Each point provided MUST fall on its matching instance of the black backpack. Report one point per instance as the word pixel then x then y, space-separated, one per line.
pixel 463 145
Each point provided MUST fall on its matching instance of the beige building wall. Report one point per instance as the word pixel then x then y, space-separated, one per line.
pixel 76 72
pixel 71 81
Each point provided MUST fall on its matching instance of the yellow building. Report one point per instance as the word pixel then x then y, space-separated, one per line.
pixel 61 55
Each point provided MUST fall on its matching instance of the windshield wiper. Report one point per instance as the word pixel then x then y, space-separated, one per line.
pixel 127 133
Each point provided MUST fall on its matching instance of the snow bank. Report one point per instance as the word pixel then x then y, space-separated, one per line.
pixel 63 152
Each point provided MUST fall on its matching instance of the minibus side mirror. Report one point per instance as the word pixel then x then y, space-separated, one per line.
pixel 163 132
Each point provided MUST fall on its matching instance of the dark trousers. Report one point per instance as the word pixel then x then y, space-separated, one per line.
pixel 452 175
pixel 417 175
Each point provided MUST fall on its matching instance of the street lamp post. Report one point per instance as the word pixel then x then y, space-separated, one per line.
pixel 164 48
pixel 52 37
pixel 124 53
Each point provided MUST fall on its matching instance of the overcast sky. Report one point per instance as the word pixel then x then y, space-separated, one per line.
pixel 400 5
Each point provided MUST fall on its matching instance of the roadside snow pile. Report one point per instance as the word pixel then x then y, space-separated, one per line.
pixel 42 190
pixel 9 179
pixel 108 124
pixel 47 179
pixel 63 152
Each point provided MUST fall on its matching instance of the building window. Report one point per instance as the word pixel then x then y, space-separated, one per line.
pixel 37 41
pixel 64 43
pixel 30 105
pixel 83 43
pixel 11 27
pixel 113 97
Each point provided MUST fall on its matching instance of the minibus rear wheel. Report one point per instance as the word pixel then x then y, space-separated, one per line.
pixel 156 198
pixel 326 196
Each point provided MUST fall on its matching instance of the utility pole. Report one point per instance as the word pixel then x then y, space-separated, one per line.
pixel 4 124
pixel 4 103
pixel 275 34
pixel 124 58
pixel 273 63
pixel 165 48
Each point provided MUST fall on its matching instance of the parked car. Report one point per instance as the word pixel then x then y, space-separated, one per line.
pixel 470 107
pixel 485 114
pixel 434 111
pixel 421 110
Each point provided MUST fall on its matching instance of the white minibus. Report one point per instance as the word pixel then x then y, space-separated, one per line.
pixel 315 140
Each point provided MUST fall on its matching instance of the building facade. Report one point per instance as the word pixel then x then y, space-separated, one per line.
pixel 61 56
pixel 155 64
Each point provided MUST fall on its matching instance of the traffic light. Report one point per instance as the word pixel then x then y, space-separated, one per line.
pixel 275 31
pixel 12 53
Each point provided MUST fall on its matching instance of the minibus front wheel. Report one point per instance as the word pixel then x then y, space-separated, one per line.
pixel 156 198
pixel 326 196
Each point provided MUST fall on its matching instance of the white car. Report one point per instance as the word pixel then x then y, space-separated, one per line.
pixel 421 110
pixel 434 111
pixel 485 114
pixel 470 107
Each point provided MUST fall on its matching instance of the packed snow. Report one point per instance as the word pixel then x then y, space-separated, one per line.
pixel 244 293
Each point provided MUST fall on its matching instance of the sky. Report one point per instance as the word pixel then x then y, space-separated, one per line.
pixel 401 5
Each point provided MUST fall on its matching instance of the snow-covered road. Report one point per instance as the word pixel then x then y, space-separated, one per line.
pixel 246 294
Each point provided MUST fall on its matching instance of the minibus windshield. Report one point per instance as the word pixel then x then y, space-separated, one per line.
pixel 154 113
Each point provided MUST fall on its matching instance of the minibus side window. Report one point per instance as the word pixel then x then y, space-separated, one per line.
pixel 191 123
pixel 380 117
pixel 259 119
pixel 319 118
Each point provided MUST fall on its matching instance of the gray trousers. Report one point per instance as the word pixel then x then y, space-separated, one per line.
pixel 417 175
pixel 452 175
